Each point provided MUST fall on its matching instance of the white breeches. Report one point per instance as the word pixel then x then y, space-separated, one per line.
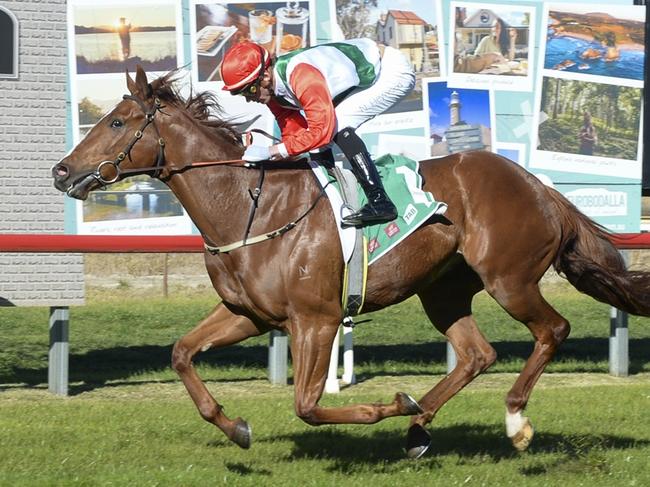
pixel 396 79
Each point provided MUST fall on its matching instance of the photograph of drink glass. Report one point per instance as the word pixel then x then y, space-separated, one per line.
pixel 280 27
pixel 260 25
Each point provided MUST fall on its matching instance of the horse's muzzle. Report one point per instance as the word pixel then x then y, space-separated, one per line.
pixel 60 173
pixel 78 188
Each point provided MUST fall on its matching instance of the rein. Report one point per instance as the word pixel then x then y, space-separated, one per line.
pixel 168 171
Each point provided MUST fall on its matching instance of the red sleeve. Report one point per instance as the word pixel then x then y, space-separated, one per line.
pixel 289 121
pixel 316 129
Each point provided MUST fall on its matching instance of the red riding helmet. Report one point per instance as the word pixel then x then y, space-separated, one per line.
pixel 243 64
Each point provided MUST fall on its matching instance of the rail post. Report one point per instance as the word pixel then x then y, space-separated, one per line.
pixel 278 350
pixel 619 360
pixel 332 381
pixel 451 358
pixel 57 373
pixel 348 376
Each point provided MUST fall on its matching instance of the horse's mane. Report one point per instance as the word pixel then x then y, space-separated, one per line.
pixel 202 107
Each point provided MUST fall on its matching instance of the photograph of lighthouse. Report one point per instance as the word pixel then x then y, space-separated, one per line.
pixel 459 119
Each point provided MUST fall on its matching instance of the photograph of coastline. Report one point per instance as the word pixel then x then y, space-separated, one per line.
pixel 597 40
pixel 112 37
pixel 590 119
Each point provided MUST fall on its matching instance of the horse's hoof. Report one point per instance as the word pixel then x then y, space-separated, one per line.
pixel 407 405
pixel 521 440
pixel 242 434
pixel 418 441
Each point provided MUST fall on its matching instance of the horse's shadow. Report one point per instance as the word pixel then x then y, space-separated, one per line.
pixel 467 443
pixel 114 366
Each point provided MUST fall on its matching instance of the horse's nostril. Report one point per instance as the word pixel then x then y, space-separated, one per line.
pixel 60 171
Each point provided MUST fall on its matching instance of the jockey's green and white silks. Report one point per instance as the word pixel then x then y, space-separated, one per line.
pixel 356 63
pixel 393 83
pixel 354 73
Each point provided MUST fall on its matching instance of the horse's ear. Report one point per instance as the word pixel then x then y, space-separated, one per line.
pixel 130 84
pixel 141 82
pixel 140 87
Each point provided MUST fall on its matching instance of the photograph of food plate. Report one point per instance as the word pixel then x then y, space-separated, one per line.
pixel 211 39
pixel 279 27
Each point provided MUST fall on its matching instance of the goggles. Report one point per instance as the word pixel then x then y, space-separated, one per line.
pixel 251 90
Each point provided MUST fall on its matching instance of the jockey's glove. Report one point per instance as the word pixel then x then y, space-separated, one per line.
pixel 255 153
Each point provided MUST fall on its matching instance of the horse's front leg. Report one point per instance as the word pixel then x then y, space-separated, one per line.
pixel 219 329
pixel 311 344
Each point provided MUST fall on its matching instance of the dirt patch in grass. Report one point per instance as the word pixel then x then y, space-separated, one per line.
pixel 186 274
pixel 415 385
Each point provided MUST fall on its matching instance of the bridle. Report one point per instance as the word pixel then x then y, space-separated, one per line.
pixel 156 170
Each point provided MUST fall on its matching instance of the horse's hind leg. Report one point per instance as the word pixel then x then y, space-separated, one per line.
pixel 447 303
pixel 311 344
pixel 549 328
pixel 219 329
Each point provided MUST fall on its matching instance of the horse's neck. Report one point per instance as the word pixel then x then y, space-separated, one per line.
pixel 215 198
pixel 218 198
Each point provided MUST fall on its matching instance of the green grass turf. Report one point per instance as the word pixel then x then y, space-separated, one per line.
pixel 129 421
pixel 590 431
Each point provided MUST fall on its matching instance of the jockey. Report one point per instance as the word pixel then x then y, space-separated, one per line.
pixel 320 95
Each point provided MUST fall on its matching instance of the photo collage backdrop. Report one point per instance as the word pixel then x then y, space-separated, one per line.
pixel 105 39
pixel 556 87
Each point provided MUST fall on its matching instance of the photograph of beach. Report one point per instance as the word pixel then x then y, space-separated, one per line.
pixel 112 37
pixel 597 40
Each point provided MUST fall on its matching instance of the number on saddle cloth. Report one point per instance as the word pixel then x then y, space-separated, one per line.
pixel 403 183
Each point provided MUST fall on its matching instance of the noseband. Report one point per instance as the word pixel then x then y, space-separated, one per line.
pixel 160 158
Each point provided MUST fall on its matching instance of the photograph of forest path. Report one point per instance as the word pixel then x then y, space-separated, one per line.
pixel 590 118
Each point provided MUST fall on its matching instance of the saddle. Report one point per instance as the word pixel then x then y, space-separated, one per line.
pixel 364 246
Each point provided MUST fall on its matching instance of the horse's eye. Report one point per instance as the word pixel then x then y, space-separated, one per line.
pixel 116 123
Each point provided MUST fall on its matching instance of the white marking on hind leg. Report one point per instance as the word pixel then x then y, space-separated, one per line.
pixel 206 347
pixel 514 423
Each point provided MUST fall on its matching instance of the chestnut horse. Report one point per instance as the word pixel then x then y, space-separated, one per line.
pixel 502 231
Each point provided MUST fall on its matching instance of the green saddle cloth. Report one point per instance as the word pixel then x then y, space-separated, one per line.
pixel 403 183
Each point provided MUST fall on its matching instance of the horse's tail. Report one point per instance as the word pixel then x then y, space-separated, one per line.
pixel 590 262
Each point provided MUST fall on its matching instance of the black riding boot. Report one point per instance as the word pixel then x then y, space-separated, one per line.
pixel 379 208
